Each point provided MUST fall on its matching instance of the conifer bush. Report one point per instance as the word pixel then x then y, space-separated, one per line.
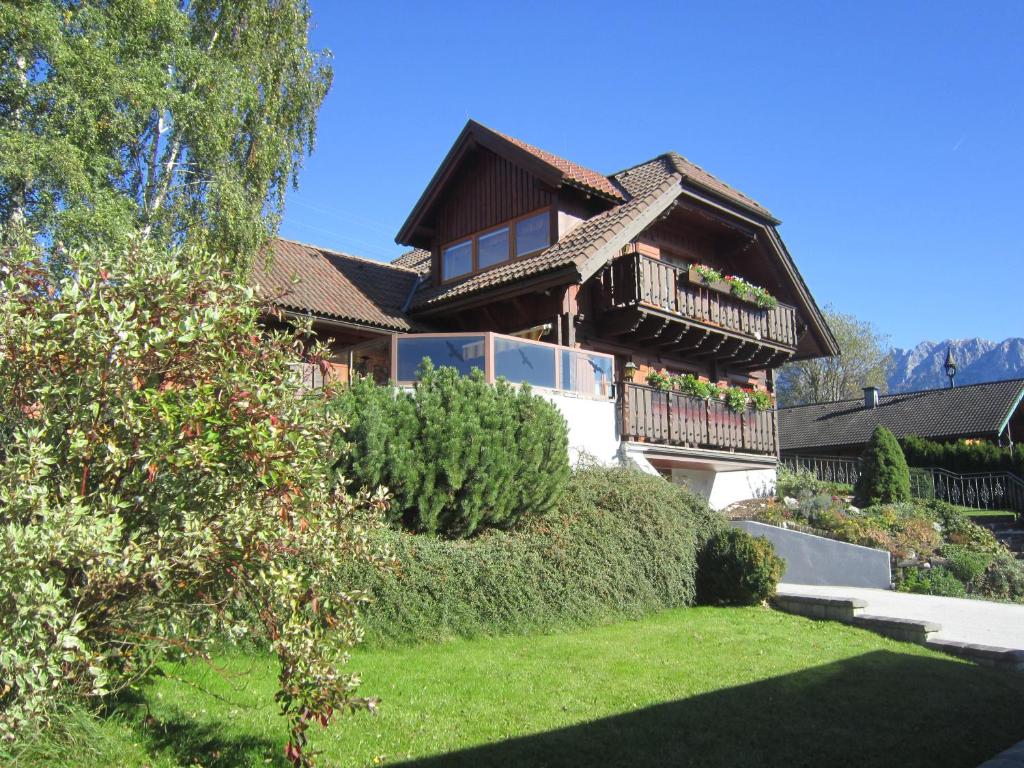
pixel 884 475
pixel 458 454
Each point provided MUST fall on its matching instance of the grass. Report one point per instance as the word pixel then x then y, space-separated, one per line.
pixel 701 686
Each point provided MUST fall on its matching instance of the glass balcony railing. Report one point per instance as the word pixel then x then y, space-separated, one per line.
pixel 519 361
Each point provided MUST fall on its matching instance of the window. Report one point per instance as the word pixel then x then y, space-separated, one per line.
pixel 464 353
pixel 457 260
pixel 586 373
pixel 533 234
pixel 521 361
pixel 492 248
pixel 520 237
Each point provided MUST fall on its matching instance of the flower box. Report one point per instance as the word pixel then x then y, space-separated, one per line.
pixel 718 285
pixel 722 286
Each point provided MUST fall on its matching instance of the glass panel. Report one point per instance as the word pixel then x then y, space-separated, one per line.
pixel 586 373
pixel 492 248
pixel 532 234
pixel 457 260
pixel 463 353
pixel 520 361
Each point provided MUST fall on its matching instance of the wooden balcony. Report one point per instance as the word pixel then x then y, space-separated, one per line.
pixel 671 418
pixel 653 303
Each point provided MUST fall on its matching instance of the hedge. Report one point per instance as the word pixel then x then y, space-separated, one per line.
pixel 620 544
pixel 961 457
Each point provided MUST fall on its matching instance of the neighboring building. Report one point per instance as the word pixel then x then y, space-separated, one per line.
pixel 991 412
pixel 531 267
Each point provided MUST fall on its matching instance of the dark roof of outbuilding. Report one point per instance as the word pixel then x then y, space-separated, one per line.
pixel 336 285
pixel 974 410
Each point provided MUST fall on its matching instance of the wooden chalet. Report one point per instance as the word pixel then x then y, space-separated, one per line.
pixel 536 269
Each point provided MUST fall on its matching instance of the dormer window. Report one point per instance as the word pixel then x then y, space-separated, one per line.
pixel 488 248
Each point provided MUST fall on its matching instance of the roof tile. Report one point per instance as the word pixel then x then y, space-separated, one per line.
pixel 337 285
pixel 965 411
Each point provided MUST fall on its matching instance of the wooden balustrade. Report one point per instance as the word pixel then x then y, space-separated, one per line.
pixel 636 279
pixel 672 418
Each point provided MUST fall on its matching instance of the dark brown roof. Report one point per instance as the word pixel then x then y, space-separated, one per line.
pixel 691 174
pixel 418 260
pixel 572 172
pixel 336 285
pixel 974 410
pixel 596 239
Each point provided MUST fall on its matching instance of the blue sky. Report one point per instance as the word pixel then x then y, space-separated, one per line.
pixel 888 137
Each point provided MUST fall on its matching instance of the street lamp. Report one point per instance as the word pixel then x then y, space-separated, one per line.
pixel 629 371
pixel 950 365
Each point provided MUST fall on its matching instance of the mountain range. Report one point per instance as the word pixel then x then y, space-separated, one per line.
pixel 977 360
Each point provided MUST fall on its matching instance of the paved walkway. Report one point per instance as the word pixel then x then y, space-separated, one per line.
pixel 967 621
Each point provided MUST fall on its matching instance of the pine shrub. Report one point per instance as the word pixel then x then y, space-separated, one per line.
pixel 736 568
pixel 620 544
pixel 459 455
pixel 884 476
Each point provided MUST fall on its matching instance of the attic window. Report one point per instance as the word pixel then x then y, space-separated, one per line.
pixel 532 234
pixel 457 260
pixel 488 248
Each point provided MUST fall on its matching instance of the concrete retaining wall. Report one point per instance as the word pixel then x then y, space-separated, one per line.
pixel 825 562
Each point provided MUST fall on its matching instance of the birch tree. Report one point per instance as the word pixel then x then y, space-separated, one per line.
pixel 180 120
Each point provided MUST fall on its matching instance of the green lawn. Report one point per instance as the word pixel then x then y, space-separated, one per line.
pixel 700 687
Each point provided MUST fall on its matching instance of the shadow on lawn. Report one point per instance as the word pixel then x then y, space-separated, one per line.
pixel 879 709
pixel 191 743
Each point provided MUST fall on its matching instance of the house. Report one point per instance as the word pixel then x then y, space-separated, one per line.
pixel 991 412
pixel 536 269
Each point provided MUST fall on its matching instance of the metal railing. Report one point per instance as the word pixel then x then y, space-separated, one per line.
pixel 975 490
pixel 829 469
pixel 672 418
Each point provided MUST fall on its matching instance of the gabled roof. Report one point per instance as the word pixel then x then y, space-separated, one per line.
pixel 579 253
pixel 692 175
pixel 974 410
pixel 572 173
pixel 547 167
pixel 336 285
pixel 418 260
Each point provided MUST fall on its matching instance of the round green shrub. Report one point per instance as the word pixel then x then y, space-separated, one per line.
pixel 884 476
pixel 458 455
pixel 738 569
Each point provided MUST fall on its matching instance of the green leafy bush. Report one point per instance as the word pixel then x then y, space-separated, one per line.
pixel 620 544
pixel 162 483
pixel 958 528
pixel 1004 578
pixel 932 581
pixel 884 477
pixel 459 454
pixel 967 565
pixel 795 484
pixel 738 569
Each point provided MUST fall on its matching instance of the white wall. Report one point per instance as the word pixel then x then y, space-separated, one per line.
pixel 591 423
pixel 724 488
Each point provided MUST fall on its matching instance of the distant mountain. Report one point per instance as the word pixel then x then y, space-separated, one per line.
pixel 977 360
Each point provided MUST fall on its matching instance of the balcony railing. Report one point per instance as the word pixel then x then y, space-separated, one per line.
pixel 635 279
pixel 497 356
pixel 672 418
